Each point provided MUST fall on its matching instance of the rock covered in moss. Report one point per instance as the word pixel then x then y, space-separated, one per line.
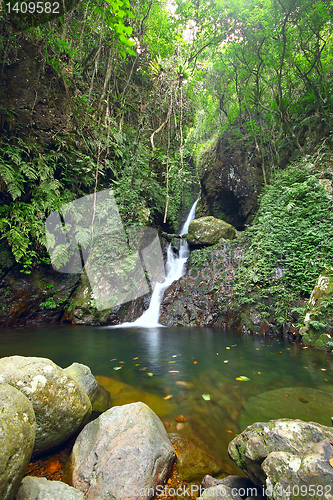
pixel 123 453
pixel 99 397
pixel 288 452
pixel 33 488
pixel 61 406
pixel 17 436
pixel 318 323
pixel 209 230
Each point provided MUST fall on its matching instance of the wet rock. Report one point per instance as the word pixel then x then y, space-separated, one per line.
pixel 318 322
pixel 220 491
pixel 39 297
pixel 61 406
pixel 123 451
pixel 288 402
pixel 289 452
pixel 231 179
pixel 208 231
pixel 99 397
pixel 33 488
pixel 17 436
pixel 192 462
pixel 240 483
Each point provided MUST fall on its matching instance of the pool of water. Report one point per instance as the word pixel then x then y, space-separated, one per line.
pixel 219 380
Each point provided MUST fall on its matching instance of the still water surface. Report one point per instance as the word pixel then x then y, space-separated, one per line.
pixel 151 364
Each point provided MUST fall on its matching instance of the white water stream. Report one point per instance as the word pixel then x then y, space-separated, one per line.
pixel 174 269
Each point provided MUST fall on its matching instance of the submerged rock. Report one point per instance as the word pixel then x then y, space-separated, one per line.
pixel 123 453
pixel 208 231
pixel 286 452
pixel 192 462
pixel 99 397
pixel 61 405
pixel 35 488
pixel 17 436
pixel 289 402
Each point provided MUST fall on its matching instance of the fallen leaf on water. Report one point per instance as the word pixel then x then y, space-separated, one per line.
pixel 225 361
pixel 137 364
pixel 323 369
pixel 206 397
pixel 180 382
pixel 117 367
pixel 306 367
pixel 259 373
pixel 173 371
pixel 122 362
pixel 241 357
pixel 181 418
pixel 150 374
pixel 227 347
pixel 171 361
pixel 286 395
pixel 243 378
pixel 195 362
pixel 257 348
pixel 302 400
pixel 135 358
pixel 143 369
pixel 230 432
pixel 174 355
pixel 331 462
pixel 168 397
pixel 114 359
pixel 166 424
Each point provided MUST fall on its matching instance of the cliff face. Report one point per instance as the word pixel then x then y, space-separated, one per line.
pixel 231 179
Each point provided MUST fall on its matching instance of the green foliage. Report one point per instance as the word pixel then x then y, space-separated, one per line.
pixel 289 244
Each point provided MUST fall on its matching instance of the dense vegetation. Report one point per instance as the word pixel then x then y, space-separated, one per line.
pixel 142 90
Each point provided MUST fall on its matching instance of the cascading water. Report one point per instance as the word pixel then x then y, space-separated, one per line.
pixel 174 269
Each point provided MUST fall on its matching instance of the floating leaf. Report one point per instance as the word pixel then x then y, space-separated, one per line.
pixel 180 382
pixel 206 397
pixel 135 358
pixel 150 374
pixel 143 369
pixel 243 378
pixel 230 432
pixel 137 364
pixel 169 396
pixel 286 395
pixel 117 367
pixel 114 359
pixel 227 347
pixel 302 400
pixel 195 362
pixel 171 361
pixel 225 361
pixel 173 371
pixel 331 462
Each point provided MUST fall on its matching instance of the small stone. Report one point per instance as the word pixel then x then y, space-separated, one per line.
pixel 181 418
pixel 179 427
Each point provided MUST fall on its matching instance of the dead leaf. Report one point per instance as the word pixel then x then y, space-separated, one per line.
pixel 169 396
pixel 302 400
pixel 331 462
pixel 180 382
pixel 230 432
pixel 181 418
pixel 286 395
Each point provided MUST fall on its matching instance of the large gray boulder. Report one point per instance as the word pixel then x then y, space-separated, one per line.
pixel 61 405
pixel 208 231
pixel 125 452
pixel 17 436
pixel 99 397
pixel 39 488
pixel 286 454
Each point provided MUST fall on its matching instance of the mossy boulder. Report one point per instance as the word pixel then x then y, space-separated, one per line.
pixel 318 322
pixel 208 231
pixel 17 436
pixel 61 406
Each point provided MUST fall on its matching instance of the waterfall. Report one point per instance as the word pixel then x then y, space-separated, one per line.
pixel 174 269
